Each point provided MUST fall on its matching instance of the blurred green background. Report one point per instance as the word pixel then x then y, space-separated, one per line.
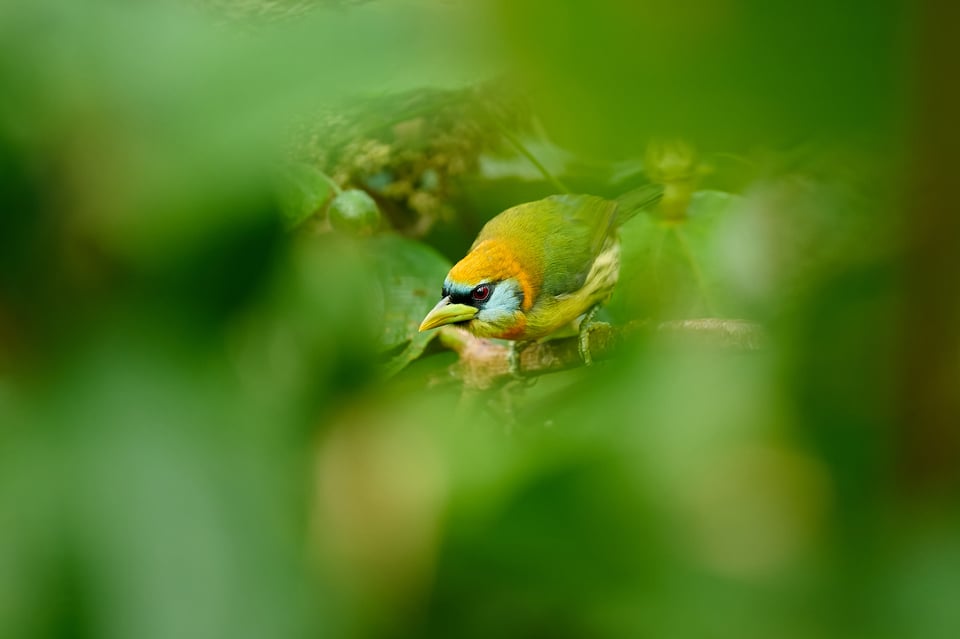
pixel 217 418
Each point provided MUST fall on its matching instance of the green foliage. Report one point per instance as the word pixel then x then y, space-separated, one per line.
pixel 409 275
pixel 219 419
pixel 354 211
pixel 302 191
pixel 726 75
pixel 664 273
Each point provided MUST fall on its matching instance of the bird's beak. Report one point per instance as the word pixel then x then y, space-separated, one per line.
pixel 447 313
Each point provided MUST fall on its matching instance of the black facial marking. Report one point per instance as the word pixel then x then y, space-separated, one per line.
pixel 475 297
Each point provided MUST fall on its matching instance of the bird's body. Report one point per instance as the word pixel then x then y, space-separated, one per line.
pixel 537 268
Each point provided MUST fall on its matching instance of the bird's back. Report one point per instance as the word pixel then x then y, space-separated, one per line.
pixel 555 239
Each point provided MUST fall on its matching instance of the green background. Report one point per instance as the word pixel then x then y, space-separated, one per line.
pixel 216 416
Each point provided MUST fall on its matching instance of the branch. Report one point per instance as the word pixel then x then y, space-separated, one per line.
pixel 484 363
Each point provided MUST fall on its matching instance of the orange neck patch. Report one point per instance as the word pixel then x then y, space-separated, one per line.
pixel 517 330
pixel 493 261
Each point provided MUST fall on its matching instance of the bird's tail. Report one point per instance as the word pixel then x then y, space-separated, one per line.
pixel 632 202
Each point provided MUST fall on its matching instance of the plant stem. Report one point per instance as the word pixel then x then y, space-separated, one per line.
pixel 694 267
pixel 329 180
pixel 525 152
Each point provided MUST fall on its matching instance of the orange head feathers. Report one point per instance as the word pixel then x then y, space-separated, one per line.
pixel 496 261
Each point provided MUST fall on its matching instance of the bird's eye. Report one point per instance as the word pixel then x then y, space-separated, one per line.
pixel 480 293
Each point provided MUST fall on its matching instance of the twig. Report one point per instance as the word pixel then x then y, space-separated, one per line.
pixel 525 152
pixel 331 182
pixel 484 364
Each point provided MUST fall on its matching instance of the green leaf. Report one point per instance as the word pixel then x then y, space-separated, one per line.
pixel 665 264
pixel 302 191
pixel 410 275
pixel 354 212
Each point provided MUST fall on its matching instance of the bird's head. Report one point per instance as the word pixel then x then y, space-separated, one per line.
pixel 487 292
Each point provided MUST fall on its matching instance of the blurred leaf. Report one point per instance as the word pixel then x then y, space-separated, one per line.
pixel 170 360
pixel 663 269
pixel 410 276
pixel 146 499
pixel 314 330
pixel 302 191
pixel 157 121
pixel 607 76
pixel 565 553
pixel 354 212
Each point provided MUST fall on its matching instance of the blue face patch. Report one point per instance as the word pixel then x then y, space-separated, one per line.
pixel 507 296
pixel 497 297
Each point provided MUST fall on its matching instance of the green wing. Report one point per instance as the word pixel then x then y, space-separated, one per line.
pixel 632 202
pixel 586 221
pixel 582 225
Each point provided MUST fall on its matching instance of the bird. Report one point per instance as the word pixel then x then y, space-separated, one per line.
pixel 540 268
